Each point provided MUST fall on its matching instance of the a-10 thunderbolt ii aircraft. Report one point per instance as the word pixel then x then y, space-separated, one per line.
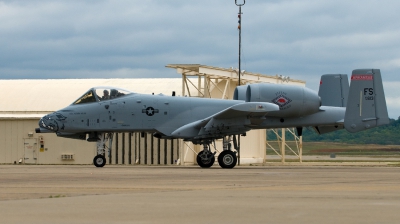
pixel 104 110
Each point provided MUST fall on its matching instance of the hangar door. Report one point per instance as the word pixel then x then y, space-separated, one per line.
pixel 30 147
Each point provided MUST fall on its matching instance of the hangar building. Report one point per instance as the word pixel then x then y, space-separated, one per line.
pixel 25 101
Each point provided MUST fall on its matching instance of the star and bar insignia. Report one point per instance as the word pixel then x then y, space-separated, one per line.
pixel 150 111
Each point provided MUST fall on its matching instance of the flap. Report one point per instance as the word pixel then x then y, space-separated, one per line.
pixel 240 110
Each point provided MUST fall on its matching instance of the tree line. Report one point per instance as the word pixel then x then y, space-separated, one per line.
pixel 383 135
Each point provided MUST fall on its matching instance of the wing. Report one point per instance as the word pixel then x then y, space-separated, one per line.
pixel 236 119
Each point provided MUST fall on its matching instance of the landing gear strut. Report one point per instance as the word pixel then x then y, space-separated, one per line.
pixel 227 158
pixel 100 159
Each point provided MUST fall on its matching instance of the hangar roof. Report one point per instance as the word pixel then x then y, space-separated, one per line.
pixel 39 96
pixel 33 98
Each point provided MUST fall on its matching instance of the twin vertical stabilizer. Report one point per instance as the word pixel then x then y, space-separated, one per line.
pixel 366 105
pixel 334 90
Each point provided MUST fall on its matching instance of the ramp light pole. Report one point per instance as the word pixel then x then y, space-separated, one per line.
pixel 240 31
pixel 240 46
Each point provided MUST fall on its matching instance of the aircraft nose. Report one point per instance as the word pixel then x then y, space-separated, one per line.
pixel 47 124
pixel 41 122
pixel 41 128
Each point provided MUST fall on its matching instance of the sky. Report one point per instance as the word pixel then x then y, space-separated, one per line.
pixel 302 39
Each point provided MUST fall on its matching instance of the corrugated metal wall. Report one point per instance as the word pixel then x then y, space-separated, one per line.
pixel 12 143
pixel 128 148
pixel 14 133
pixel 133 148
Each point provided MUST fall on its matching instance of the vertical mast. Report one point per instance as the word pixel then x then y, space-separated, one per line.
pixel 240 42
pixel 240 34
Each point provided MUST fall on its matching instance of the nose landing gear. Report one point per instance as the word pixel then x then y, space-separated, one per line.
pixel 100 159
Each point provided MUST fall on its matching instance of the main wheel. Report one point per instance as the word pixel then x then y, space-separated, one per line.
pixel 205 159
pixel 227 159
pixel 99 161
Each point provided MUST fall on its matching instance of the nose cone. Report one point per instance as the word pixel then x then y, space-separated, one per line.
pixel 49 122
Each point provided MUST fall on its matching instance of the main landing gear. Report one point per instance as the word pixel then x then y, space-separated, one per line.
pixel 100 159
pixel 206 158
pixel 226 159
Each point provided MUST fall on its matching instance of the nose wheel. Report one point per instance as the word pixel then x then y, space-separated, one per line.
pixel 99 161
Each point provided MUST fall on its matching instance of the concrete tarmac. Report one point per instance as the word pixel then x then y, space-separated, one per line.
pixel 179 194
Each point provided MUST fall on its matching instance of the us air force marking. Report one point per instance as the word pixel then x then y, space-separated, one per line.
pixel 150 111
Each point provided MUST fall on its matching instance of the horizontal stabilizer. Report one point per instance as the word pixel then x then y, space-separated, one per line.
pixel 326 129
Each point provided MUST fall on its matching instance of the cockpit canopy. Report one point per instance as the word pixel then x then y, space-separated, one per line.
pixel 98 94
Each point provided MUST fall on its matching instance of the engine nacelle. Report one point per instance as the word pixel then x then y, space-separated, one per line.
pixel 293 101
pixel 240 93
